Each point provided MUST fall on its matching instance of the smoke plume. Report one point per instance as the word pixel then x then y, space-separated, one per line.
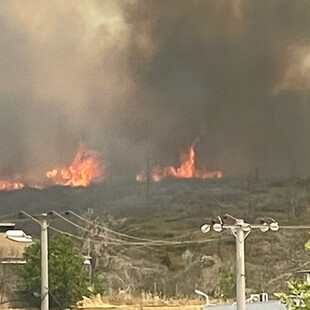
pixel 131 78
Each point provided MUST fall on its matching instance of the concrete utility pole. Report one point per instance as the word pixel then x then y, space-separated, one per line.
pixel 42 221
pixel 240 265
pixel 240 230
pixel 44 264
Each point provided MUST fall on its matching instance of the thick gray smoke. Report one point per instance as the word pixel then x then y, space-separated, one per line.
pixel 129 77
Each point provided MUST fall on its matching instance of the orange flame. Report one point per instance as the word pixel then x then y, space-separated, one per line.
pixel 8 185
pixel 186 170
pixel 140 177
pixel 85 168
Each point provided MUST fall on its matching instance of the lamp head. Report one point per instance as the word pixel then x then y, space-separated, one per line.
pixel 274 226
pixel 264 227
pixel 217 227
pixel 205 228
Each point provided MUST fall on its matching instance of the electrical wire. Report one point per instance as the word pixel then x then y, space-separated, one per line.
pixel 114 241
pixel 85 229
pixel 142 241
pixel 117 241
pixel 296 227
pixel 122 234
pixel 110 230
pixel 146 241
pixel 138 243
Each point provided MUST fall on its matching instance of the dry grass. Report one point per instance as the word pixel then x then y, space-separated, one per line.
pixel 127 301
pixel 141 307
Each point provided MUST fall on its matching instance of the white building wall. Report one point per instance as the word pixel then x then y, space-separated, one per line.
pixel 270 305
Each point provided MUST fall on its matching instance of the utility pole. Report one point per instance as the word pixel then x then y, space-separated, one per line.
pixel 240 230
pixel 41 219
pixel 240 265
pixel 44 264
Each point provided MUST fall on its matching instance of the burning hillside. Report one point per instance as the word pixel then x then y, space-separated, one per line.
pixel 195 70
pixel 85 168
pixel 186 170
pixel 7 184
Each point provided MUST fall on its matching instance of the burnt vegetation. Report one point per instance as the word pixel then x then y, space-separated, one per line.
pixel 178 207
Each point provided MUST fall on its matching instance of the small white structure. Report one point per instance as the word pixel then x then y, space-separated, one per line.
pixel 269 305
pixel 13 244
pixel 255 302
pixel 18 236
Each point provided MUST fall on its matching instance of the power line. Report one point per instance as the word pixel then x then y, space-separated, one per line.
pixel 142 241
pixel 296 227
pixel 14 217
pixel 85 229
pixel 110 230
pixel 114 241
pixel 122 234
pixel 139 243
pixel 122 242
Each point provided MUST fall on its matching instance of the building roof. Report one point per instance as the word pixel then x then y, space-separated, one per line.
pixel 10 248
pixel 6 226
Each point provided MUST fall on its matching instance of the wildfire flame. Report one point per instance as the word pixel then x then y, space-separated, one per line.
pixel 8 185
pixel 186 170
pixel 85 168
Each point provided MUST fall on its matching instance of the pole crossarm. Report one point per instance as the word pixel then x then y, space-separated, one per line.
pixel 240 229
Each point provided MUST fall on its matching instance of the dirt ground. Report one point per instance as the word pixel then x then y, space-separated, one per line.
pixel 126 307
pixel 162 308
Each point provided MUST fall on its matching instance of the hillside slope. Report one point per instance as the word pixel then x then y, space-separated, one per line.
pixel 178 207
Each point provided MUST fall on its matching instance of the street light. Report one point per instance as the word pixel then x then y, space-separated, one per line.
pixel 264 227
pixel 268 223
pixel 41 219
pixel 205 228
pixel 217 227
pixel 240 230
pixel 204 295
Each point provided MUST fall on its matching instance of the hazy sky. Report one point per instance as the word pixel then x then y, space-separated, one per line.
pixel 127 75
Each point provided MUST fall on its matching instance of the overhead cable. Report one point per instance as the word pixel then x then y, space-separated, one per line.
pixel 122 234
pixel 139 243
pixel 85 229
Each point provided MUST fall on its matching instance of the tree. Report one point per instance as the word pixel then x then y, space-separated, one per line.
pixel 227 283
pixel 298 296
pixel 68 280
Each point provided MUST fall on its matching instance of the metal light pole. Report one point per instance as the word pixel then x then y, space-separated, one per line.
pixel 240 230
